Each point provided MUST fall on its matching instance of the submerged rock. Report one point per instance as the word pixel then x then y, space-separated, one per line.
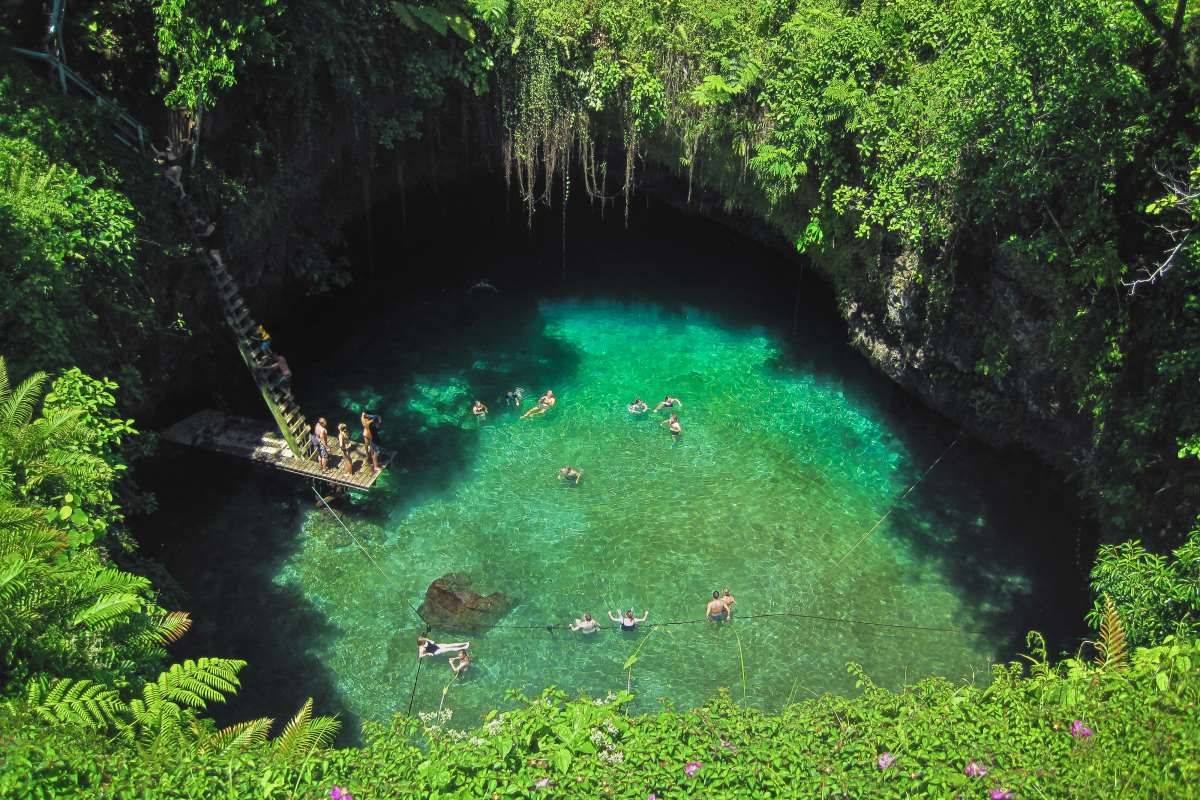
pixel 451 605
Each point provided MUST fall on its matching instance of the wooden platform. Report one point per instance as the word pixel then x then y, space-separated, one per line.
pixel 261 442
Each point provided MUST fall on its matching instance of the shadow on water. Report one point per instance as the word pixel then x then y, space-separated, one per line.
pixel 459 348
pixel 223 530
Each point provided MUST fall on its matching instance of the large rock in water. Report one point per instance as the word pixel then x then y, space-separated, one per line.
pixel 451 605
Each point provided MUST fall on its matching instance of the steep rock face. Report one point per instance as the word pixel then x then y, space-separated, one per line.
pixel 980 352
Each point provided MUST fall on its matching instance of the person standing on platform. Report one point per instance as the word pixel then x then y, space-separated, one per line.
pixel 346 445
pixel 370 424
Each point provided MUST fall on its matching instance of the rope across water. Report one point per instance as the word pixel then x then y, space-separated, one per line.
pixel 555 626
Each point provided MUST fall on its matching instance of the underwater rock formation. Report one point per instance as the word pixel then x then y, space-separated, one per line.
pixel 451 605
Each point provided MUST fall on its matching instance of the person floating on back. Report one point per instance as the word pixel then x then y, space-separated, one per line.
pixel 587 624
pixel 545 403
pixel 627 621
pixel 479 410
pixel 669 402
pixel 370 424
pixel 638 406
pixel 514 397
pixel 428 647
pixel 716 611
pixel 320 440
pixel 571 474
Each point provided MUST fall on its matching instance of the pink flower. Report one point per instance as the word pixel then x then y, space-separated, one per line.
pixel 1000 794
pixel 975 770
pixel 692 768
pixel 885 760
pixel 1079 730
pixel 338 793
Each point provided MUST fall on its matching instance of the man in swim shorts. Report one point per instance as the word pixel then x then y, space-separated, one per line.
pixel 716 611
pixel 320 440
pixel 545 403
pixel 585 625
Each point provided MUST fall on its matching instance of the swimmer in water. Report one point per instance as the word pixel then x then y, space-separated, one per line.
pixel 728 600
pixel 716 611
pixel 670 402
pixel 673 424
pixel 627 620
pixel 479 410
pixel 459 665
pixel 545 403
pixel 571 474
pixel 585 625
pixel 428 647
pixel 638 406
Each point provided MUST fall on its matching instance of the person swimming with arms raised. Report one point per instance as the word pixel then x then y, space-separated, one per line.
pixel 571 473
pixel 716 611
pixel 544 404
pixel 638 406
pixel 669 402
pixel 627 620
pixel 585 625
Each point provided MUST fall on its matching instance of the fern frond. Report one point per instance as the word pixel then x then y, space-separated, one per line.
pixel 75 702
pixel 16 406
pixel 239 737
pixel 1112 645
pixel 107 611
pixel 196 683
pixel 168 628
pixel 304 735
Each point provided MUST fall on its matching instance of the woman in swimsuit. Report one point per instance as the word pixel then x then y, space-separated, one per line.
pixel 479 410
pixel 669 402
pixel 545 403
pixel 638 407
pixel 627 622
pixel 728 600
pixel 428 647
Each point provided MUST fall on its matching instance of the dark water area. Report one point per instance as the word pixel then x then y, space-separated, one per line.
pixel 991 543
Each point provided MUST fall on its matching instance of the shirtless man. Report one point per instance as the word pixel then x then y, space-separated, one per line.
pixel 716 611
pixel 544 404
pixel 669 402
pixel 459 665
pixel 368 425
pixel 673 424
pixel 585 625
pixel 570 473
pixel 728 600
pixel 320 437
pixel 479 410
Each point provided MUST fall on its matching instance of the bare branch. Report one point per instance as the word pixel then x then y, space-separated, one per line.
pixel 1184 198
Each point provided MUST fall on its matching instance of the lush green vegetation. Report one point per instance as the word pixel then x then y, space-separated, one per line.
pixel 934 150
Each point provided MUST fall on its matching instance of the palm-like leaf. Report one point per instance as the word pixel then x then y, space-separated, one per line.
pixel 197 683
pixel 1112 645
pixel 304 735
pixel 239 737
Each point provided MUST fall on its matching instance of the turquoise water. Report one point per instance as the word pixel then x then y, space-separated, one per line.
pixel 785 464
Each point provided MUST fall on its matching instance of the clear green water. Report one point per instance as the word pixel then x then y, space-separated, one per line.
pixel 782 467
